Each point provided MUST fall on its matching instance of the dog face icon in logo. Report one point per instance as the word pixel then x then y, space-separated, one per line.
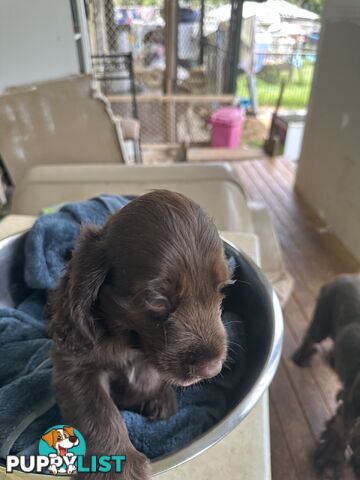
pixel 62 444
pixel 62 439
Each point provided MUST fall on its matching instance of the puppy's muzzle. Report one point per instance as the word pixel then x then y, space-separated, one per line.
pixel 208 369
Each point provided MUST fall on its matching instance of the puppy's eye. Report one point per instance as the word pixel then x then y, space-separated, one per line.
pixel 158 309
pixel 158 317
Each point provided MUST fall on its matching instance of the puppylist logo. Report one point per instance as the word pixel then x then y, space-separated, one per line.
pixel 62 452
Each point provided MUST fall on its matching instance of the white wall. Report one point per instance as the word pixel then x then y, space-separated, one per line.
pixel 36 41
pixel 329 167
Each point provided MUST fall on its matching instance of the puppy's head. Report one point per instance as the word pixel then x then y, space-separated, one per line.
pixel 65 437
pixel 158 273
pixel 166 283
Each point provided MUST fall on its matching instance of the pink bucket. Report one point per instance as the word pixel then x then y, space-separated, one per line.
pixel 227 126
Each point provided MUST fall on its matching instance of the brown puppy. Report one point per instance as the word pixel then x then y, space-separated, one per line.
pixel 137 311
pixel 337 316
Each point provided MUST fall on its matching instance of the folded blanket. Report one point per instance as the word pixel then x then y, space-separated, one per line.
pixel 27 403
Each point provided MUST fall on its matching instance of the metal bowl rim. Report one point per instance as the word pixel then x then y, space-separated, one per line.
pixel 235 416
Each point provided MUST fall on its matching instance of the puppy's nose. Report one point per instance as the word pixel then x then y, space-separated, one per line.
pixel 208 370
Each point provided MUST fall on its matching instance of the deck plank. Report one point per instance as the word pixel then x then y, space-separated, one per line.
pixel 283 466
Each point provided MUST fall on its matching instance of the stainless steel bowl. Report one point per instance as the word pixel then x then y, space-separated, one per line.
pixel 252 297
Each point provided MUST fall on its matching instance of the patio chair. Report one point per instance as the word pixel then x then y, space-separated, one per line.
pixel 62 121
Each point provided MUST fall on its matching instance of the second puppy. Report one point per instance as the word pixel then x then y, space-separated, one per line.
pixel 337 315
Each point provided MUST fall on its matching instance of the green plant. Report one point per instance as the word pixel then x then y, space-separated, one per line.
pixel 297 90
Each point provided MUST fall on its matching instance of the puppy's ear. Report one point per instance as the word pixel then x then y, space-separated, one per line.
pixel 69 431
pixel 50 438
pixel 71 318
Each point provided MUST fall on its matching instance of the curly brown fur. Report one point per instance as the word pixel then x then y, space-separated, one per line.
pixel 337 316
pixel 337 306
pixel 354 443
pixel 329 458
pixel 137 311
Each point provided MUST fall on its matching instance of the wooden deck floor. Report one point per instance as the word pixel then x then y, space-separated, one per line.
pixel 300 399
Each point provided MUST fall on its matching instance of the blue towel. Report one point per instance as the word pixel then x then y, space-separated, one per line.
pixel 50 241
pixel 27 403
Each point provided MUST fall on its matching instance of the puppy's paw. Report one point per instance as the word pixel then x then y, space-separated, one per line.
pixel 340 396
pixel 329 469
pixel 161 407
pixel 332 474
pixel 137 467
pixel 53 469
pixel 303 355
pixel 71 469
pixel 329 459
